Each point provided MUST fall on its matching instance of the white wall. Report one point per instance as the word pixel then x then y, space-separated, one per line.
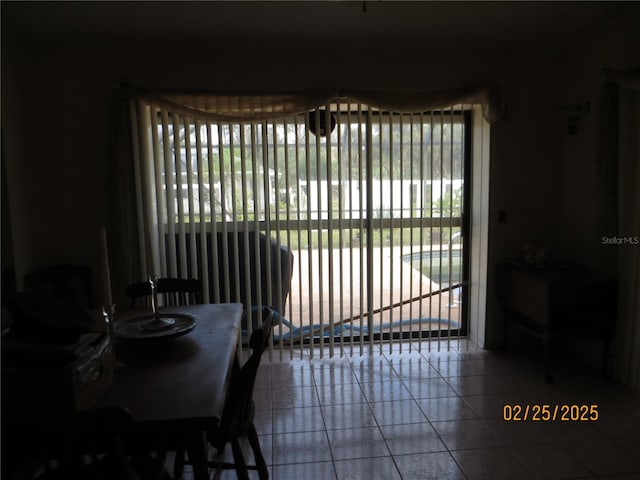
pixel 616 46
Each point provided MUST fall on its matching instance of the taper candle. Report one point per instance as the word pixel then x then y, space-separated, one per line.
pixel 106 275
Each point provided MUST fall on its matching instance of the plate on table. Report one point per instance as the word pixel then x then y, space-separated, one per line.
pixel 154 327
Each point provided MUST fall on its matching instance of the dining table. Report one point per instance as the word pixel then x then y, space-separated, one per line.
pixel 174 386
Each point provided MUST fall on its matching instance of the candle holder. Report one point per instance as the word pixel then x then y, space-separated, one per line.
pixel 156 325
pixel 107 314
pixel 157 322
pixel 153 284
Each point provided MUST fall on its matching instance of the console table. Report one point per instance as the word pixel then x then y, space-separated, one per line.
pixel 555 302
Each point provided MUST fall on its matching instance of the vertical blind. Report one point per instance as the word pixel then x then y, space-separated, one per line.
pixel 349 220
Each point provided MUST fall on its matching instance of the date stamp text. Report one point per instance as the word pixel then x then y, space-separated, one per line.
pixel 550 413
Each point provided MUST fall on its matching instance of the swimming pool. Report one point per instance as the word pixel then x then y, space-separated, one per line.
pixel 441 266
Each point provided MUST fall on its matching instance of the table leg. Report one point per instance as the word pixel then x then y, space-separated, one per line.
pixel 197 449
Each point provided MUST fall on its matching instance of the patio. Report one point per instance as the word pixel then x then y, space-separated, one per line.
pixel 337 298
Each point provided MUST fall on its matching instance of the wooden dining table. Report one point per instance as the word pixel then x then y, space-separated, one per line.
pixel 175 388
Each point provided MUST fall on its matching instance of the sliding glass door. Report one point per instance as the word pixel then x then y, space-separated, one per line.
pixel 347 219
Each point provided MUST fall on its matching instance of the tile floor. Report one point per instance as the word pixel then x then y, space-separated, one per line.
pixel 439 415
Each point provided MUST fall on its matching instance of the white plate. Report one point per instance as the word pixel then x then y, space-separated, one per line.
pixel 154 327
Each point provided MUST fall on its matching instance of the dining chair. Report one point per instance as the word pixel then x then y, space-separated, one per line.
pixel 239 412
pixel 172 291
pixel 86 445
pixel 70 284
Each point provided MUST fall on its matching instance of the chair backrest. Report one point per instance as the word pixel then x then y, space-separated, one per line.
pixel 239 408
pixel 172 291
pixel 69 284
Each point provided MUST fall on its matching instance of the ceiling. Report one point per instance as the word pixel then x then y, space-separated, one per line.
pixel 371 22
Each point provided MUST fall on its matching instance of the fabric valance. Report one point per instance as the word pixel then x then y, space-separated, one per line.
pixel 259 107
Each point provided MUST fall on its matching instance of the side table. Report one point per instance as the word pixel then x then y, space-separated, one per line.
pixel 554 302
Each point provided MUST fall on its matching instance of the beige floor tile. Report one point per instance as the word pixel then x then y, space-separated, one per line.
pixel 294 397
pixel 353 415
pixel 355 443
pixel 489 464
pixel 462 434
pixel 445 408
pixel 548 461
pixel 397 412
pixel 429 388
pixel 367 468
pixel 293 420
pixel 303 447
pixel 385 391
pixel 429 466
pixel 412 438
pixel 298 471
pixel 603 456
pixel 338 394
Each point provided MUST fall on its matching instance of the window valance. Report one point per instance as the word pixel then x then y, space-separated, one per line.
pixel 259 107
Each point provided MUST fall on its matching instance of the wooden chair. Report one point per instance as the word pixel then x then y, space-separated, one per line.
pixel 172 291
pixel 98 432
pixel 85 445
pixel 70 284
pixel 239 411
